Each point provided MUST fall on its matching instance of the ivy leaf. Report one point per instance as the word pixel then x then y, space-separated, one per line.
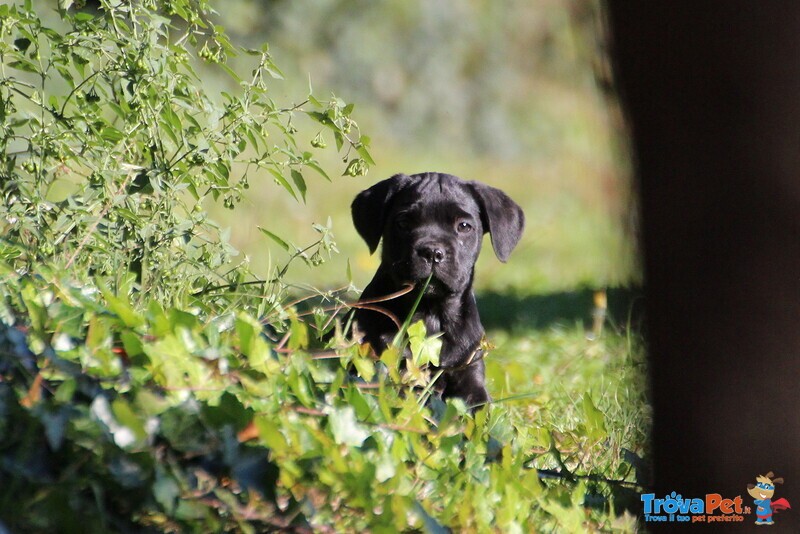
pixel 391 358
pixel 345 428
pixel 423 349
pixel 365 368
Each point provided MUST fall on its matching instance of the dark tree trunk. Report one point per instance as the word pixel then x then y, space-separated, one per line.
pixel 712 91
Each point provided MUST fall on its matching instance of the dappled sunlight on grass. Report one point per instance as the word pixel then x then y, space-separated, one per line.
pixel 579 391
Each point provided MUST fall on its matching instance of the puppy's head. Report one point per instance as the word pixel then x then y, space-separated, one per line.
pixel 434 223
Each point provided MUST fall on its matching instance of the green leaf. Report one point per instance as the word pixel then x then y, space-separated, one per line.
pixel 123 310
pixel 188 510
pixel 282 181
pixel 300 183
pixel 232 73
pixel 299 334
pixel 595 421
pixel 299 386
pixel 82 16
pixel 270 434
pixel 24 65
pixel 132 343
pixel 98 334
pixel 35 308
pixel 361 148
pixel 345 428
pixel 273 70
pixel 455 408
pixel 391 358
pixel 283 244
pixel 110 133
pixel 365 368
pixel 423 349
pixel 127 417
pixel 166 491
pixel 319 169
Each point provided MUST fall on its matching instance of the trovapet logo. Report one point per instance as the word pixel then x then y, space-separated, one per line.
pixel 674 508
pixel 713 507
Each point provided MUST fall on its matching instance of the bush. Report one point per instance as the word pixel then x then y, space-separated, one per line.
pixel 110 144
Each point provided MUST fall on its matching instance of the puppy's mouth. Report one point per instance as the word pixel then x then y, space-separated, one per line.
pixel 433 284
pixel 420 276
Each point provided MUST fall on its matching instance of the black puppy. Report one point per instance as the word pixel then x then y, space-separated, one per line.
pixel 434 223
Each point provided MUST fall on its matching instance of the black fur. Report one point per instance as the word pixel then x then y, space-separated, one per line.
pixel 434 222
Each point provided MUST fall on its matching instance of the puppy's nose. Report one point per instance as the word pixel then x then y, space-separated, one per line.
pixel 431 252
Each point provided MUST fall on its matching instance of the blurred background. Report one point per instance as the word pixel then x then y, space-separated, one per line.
pixel 514 94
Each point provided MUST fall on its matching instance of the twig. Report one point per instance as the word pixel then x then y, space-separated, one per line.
pixel 388 426
pixel 549 473
pixel 382 311
pixel 228 286
pixel 99 218
pixel 361 304
pixel 281 273
pixel 283 341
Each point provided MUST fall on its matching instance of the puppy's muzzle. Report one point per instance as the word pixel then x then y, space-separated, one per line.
pixel 431 252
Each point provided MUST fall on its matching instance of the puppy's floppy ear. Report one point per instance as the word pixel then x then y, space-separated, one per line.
pixel 371 205
pixel 501 217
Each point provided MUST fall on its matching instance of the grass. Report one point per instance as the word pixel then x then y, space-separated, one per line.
pixel 542 373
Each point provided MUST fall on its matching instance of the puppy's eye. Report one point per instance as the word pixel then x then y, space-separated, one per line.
pixel 401 223
pixel 463 227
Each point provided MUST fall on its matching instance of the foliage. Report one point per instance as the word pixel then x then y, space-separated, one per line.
pixel 143 388
pixel 169 420
pixel 109 143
